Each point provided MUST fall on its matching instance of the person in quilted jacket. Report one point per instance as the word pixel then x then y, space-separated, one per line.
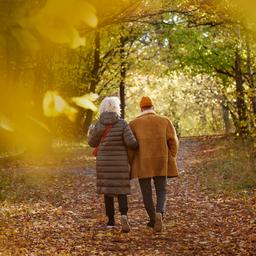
pixel 112 136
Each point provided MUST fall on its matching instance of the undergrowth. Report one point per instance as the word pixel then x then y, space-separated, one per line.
pixel 231 167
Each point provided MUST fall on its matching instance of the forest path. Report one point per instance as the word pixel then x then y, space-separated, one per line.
pixel 64 216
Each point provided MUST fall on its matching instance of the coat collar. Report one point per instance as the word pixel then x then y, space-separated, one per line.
pixel 146 112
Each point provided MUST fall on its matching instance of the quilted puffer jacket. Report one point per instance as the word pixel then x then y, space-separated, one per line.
pixel 112 165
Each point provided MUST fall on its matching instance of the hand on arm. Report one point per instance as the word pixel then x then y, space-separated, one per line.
pixel 172 139
pixel 129 137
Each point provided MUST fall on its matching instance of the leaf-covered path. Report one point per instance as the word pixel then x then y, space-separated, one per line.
pixel 62 215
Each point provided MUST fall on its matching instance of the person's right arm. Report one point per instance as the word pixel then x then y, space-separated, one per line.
pixel 172 139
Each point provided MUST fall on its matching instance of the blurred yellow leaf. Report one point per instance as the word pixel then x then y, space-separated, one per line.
pixel 5 123
pixel 59 19
pixel 39 123
pixel 85 101
pixel 25 39
pixel 92 96
pixel 91 20
pixel 70 112
pixel 73 11
pixel 54 105
pixel 59 31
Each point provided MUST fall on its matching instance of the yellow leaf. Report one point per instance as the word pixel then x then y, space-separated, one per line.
pixel 25 39
pixel 92 96
pixel 58 30
pixel 59 19
pixel 91 20
pixel 5 123
pixel 85 101
pixel 54 105
pixel 77 41
pixel 72 11
pixel 70 112
pixel 39 123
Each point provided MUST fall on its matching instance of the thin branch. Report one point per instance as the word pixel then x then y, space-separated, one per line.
pixel 129 16
pixel 224 72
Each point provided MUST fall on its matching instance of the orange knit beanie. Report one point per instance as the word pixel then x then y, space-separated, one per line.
pixel 145 102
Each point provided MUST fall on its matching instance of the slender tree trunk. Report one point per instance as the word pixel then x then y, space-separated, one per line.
pixel 94 77
pixel 122 75
pixel 251 76
pixel 240 101
pixel 225 113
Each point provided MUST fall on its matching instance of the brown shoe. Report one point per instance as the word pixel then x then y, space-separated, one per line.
pixel 125 224
pixel 158 222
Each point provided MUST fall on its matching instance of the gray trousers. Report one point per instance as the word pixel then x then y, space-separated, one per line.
pixel 160 183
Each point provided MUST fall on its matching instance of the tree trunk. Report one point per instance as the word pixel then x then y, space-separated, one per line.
pixel 251 77
pixel 240 101
pixel 94 77
pixel 122 75
pixel 225 113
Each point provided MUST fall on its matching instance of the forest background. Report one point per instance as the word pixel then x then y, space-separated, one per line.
pixel 196 59
pixel 59 58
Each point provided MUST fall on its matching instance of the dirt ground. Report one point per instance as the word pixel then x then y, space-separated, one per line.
pixel 61 214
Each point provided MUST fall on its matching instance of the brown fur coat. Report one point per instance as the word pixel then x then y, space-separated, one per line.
pixel 158 146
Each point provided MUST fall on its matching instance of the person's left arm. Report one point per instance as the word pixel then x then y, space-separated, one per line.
pixel 95 133
pixel 129 137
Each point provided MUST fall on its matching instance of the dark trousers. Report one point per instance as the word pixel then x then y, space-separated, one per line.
pixel 110 207
pixel 146 190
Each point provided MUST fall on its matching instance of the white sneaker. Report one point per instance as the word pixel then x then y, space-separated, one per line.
pixel 110 224
pixel 158 222
pixel 125 224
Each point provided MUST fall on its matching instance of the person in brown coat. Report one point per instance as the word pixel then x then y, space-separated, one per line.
pixel 112 166
pixel 154 159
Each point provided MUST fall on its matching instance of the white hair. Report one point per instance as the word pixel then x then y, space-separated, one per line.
pixel 110 104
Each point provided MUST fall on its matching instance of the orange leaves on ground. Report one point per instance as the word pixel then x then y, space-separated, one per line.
pixel 66 216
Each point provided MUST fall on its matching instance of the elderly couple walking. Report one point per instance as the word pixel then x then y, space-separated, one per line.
pixel 145 149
